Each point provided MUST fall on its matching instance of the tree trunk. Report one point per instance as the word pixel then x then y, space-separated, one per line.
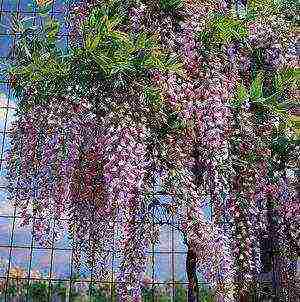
pixel 244 297
pixel 193 288
pixel 274 255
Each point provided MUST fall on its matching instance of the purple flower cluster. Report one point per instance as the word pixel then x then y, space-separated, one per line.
pixel 189 45
pixel 135 16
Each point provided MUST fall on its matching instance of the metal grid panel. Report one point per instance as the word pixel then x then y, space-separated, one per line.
pixel 23 260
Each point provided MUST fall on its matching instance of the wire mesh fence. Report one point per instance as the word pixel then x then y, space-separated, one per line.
pixel 30 272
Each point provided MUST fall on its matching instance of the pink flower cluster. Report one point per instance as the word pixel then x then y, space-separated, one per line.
pixel 123 177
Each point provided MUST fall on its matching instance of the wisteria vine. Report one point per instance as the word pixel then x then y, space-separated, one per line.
pixel 191 93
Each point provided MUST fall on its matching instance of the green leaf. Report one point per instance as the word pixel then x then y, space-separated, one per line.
pixel 17 26
pixel 280 145
pixel 170 5
pixel 250 15
pixel 286 77
pixel 52 26
pixel 279 82
pixel 226 29
pixel 88 41
pixel 145 42
pixel 120 36
pixel 256 90
pixel 242 93
pixel 203 35
pixel 153 97
pixel 290 74
pixel 165 62
pixel 141 40
pixel 121 67
pixel 44 10
pixel 96 42
pixel 113 22
pixel 52 29
pixel 103 62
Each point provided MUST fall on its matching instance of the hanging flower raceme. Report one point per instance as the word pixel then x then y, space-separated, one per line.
pixel 288 229
pixel 207 239
pixel 245 214
pixel 213 123
pixel 91 215
pixel 136 16
pixel 123 173
pixel 45 168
